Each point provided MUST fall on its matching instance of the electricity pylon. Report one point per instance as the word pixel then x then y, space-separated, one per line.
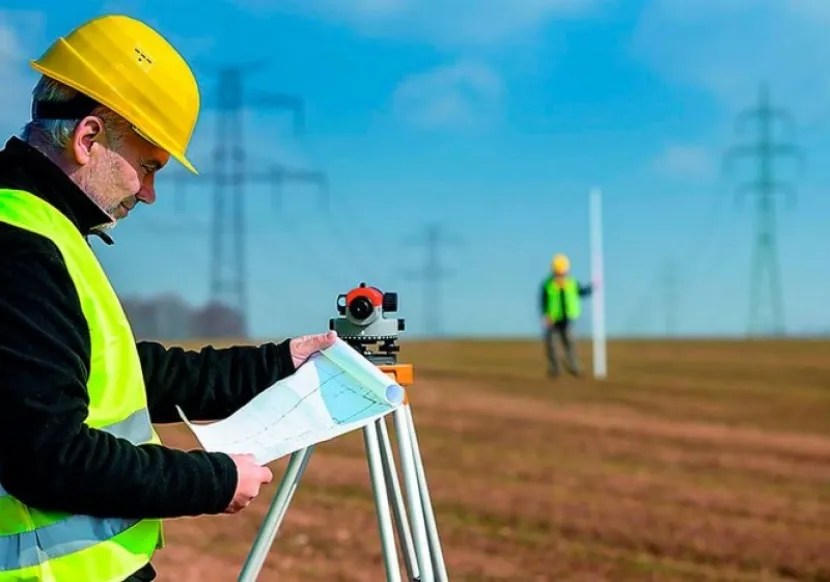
pixel 230 174
pixel 765 271
pixel 433 239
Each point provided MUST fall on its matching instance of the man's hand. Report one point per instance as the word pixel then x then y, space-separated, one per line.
pixel 302 347
pixel 250 478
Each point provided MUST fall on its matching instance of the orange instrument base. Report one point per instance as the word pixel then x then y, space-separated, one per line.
pixel 403 374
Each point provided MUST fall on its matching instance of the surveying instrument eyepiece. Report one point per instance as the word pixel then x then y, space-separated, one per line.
pixel 363 324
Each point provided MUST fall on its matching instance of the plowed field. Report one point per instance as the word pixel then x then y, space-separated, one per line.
pixel 692 461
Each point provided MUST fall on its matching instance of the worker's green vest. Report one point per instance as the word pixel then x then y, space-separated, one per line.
pixel 573 303
pixel 49 546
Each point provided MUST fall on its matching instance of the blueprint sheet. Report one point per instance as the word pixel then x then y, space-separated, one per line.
pixel 334 392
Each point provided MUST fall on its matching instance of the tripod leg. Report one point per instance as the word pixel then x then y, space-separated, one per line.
pixel 273 519
pixel 416 511
pixel 401 521
pixel 429 514
pixel 295 483
pixel 387 534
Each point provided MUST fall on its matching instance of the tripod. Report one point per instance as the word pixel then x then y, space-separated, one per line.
pixel 420 544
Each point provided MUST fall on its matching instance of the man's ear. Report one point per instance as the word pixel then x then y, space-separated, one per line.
pixel 88 135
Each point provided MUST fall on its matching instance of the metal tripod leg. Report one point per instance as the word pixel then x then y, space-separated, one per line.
pixel 394 487
pixel 428 557
pixel 416 509
pixel 429 514
pixel 376 475
pixel 273 519
pixel 423 555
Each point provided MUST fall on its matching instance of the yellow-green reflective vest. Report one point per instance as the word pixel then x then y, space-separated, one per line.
pixel 47 546
pixel 573 303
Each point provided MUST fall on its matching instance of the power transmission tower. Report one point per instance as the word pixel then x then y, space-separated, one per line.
pixel 228 270
pixel 432 238
pixel 669 279
pixel 765 270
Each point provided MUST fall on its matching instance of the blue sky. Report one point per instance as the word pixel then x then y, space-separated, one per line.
pixel 493 118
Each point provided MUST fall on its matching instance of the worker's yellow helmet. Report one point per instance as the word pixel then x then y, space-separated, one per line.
pixel 560 264
pixel 130 68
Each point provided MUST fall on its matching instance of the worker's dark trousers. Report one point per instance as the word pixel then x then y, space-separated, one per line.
pixel 563 330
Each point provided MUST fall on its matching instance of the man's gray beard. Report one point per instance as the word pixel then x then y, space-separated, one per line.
pixel 107 226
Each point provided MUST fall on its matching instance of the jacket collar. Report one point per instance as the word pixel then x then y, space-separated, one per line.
pixel 23 167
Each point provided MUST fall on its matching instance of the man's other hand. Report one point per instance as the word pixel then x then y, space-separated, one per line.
pixel 250 477
pixel 302 347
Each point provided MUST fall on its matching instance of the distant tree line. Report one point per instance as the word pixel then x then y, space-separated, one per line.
pixel 169 317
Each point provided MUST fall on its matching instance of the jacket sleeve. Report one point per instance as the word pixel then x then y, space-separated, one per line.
pixel 212 383
pixel 48 457
pixel 543 297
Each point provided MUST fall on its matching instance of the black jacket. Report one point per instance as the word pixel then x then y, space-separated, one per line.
pixel 48 457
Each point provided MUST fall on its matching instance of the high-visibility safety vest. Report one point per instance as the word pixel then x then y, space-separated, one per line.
pixel 48 546
pixel 572 301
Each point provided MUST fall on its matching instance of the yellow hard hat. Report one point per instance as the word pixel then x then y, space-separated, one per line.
pixel 560 264
pixel 130 68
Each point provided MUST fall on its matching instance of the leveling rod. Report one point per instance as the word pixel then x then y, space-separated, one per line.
pixel 417 532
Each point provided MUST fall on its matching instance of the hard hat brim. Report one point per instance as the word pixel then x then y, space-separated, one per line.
pixel 182 159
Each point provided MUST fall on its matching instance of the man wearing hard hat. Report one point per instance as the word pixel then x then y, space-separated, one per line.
pixel 84 478
pixel 561 305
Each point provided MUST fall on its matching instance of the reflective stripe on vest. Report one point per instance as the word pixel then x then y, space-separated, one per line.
pixel 573 303
pixel 48 546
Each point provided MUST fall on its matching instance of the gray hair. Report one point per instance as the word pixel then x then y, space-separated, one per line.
pixel 52 136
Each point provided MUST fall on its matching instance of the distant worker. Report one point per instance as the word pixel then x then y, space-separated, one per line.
pixel 84 478
pixel 561 306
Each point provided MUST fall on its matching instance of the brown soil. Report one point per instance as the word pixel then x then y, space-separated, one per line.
pixel 692 461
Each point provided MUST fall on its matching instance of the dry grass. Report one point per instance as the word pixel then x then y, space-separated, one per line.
pixel 693 461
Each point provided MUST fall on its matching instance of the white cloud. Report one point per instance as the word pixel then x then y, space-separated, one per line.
pixel 728 47
pixel 17 31
pixel 685 161
pixel 459 23
pixel 462 95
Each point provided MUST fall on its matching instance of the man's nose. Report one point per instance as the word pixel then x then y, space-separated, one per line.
pixel 147 194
